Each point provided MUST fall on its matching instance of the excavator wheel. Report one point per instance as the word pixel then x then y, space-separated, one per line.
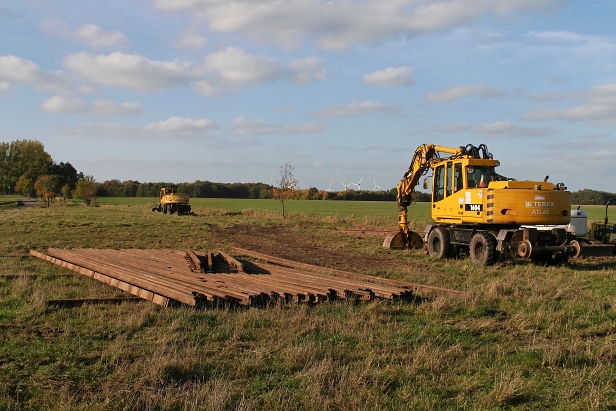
pixel 398 241
pixel 439 243
pixel 482 249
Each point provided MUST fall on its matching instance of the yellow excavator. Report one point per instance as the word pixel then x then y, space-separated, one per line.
pixel 170 201
pixel 478 211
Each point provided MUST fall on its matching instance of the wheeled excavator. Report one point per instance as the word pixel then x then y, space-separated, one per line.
pixel 478 211
pixel 170 201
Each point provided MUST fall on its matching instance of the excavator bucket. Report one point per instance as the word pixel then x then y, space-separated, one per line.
pixel 397 241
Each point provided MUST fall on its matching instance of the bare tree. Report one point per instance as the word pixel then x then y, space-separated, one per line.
pixel 286 185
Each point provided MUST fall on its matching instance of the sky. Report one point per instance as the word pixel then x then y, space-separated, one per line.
pixel 230 90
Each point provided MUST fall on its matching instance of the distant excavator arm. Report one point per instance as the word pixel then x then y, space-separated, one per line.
pixel 422 161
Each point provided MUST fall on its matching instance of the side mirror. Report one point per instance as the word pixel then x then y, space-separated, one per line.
pixel 426 184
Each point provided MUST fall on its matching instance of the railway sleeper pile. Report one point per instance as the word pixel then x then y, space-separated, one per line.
pixel 202 279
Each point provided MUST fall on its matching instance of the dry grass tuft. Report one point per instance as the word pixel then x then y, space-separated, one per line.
pixel 509 388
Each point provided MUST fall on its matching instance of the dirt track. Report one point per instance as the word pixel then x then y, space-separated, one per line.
pixel 285 243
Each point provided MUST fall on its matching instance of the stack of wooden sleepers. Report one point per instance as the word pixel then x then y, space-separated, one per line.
pixel 195 279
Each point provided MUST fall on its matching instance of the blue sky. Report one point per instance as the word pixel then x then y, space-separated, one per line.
pixel 228 91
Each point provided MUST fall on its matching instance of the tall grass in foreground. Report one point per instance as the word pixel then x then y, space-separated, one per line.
pixel 527 337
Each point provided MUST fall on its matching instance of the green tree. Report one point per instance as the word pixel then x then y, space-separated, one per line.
pixel 86 190
pixel 24 186
pixel 129 188
pixel 18 157
pixel 67 192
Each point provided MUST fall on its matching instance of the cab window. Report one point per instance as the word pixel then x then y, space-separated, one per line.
pixel 439 183
pixel 449 183
pixel 479 176
pixel 457 177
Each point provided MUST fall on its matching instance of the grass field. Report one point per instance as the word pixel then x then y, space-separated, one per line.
pixel 377 210
pixel 527 337
pixel 380 211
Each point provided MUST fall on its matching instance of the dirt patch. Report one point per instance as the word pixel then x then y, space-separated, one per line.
pixel 286 243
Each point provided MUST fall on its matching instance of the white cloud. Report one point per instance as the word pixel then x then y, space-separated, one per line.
pixel 58 104
pixel 90 34
pixel 189 40
pixel 459 92
pixel 509 129
pixel 15 69
pixel 94 36
pixel 171 129
pixel 336 25
pixel 128 71
pixel 358 109
pixel 571 42
pixel 5 88
pixel 307 70
pixel 231 70
pixel 600 108
pixel 180 124
pixel 243 126
pixel 391 77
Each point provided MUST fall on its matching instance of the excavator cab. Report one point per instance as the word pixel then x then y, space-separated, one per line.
pixel 458 189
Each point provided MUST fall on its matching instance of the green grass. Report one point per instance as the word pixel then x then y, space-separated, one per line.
pixel 528 337
pixel 376 211
pixel 597 213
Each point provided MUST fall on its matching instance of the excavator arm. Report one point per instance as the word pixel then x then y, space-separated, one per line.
pixel 422 161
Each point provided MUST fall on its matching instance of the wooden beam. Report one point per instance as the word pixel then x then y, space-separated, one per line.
pixel 74 302
pixel 345 274
pixel 139 292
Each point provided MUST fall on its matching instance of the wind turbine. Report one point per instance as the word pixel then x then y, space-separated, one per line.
pixel 329 190
pixel 291 186
pixel 358 184
pixel 346 186
pixel 375 186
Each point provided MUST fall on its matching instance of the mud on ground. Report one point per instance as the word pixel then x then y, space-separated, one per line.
pixel 287 243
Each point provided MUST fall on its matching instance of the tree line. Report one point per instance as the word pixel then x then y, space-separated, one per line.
pixel 27 169
pixel 591 197
pixel 209 189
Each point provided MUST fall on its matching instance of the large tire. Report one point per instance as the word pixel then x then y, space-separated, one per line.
pixel 482 249
pixel 438 243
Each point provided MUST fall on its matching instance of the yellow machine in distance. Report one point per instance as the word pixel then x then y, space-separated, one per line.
pixel 169 201
pixel 477 210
